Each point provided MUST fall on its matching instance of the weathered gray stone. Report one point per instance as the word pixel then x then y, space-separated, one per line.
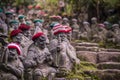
pixel 109 65
pixel 84 48
pixel 107 74
pixel 87 56
pixel 112 50
pixel 87 44
pixel 108 57
pixel 73 43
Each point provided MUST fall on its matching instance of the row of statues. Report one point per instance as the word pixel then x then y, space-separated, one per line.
pixel 31 55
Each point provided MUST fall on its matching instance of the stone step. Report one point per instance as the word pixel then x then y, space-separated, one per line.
pixel 87 44
pixel 111 50
pixel 87 56
pixel 84 48
pixel 60 78
pixel 71 79
pixel 108 57
pixel 107 74
pixel 108 65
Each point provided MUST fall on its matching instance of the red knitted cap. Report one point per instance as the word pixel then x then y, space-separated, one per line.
pixel 24 27
pixel 37 35
pixel 15 32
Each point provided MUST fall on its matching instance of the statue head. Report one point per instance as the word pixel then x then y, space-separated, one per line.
pixel 16 36
pixel 116 27
pixel 13 51
pixel 62 36
pixel 85 23
pixel 65 20
pixel 93 20
pixel 38 22
pixel 74 21
pixel 39 40
pixel 14 24
pixel 101 27
pixel 25 29
pixel 21 18
pixel 60 32
pixel 9 14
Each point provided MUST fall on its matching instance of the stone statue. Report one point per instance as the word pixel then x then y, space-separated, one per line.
pixel 3 25
pixel 94 26
pixel 39 28
pixel 38 61
pixel 21 19
pixel 75 28
pixel 11 68
pixel 14 25
pixel 116 30
pixel 63 53
pixel 26 38
pixel 85 31
pixel 65 22
pixel 101 35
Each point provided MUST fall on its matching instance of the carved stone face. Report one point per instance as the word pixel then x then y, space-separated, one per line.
pixel 38 24
pixel 94 20
pixel 116 30
pixel 12 54
pixel 15 25
pixel 62 36
pixel 22 20
pixel 26 33
pixel 41 42
pixel 17 38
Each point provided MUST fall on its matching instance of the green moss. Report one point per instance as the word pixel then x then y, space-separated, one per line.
pixel 101 44
pixel 44 78
pixel 73 76
pixel 78 71
pixel 109 45
pixel 87 66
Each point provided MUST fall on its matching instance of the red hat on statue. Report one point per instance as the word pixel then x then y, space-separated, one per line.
pixel 15 32
pixel 59 29
pixel 56 17
pixel 37 35
pixel 37 6
pixel 24 27
pixel 15 46
pixel 68 29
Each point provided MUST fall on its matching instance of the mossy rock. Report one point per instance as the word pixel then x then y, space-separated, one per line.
pixel 78 71
pixel 87 66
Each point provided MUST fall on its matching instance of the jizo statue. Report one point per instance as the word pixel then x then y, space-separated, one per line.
pixel 11 68
pixel 38 60
pixel 62 51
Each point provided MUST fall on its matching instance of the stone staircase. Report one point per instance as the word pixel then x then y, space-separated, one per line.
pixel 107 60
pixel 96 63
